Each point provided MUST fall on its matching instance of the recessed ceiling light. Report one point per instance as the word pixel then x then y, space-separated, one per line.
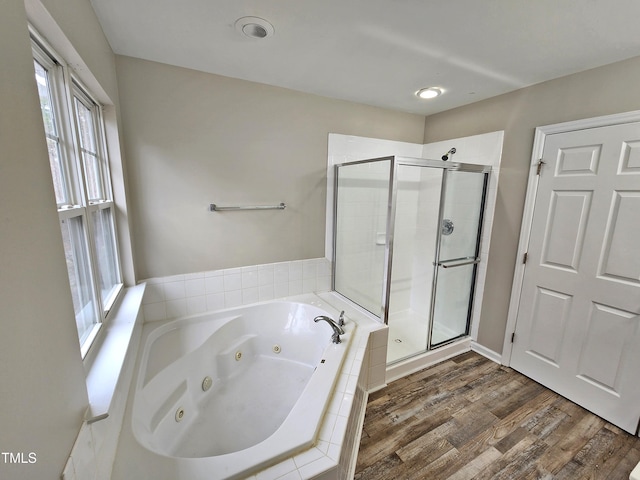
pixel 254 27
pixel 431 92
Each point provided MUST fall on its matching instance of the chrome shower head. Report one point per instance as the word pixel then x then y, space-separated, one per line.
pixel 445 157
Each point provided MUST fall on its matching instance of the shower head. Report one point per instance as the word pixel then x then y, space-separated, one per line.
pixel 445 157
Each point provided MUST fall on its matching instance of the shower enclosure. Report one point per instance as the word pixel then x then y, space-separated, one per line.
pixel 406 246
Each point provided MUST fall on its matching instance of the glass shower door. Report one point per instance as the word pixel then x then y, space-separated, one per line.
pixel 457 258
pixel 360 237
pixel 417 200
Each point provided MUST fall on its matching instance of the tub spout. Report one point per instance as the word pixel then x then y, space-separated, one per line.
pixel 337 329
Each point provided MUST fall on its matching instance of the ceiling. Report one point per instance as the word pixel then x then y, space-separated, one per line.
pixel 380 52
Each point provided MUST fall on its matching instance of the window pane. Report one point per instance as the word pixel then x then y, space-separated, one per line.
pixel 42 79
pixel 53 142
pixel 82 291
pixel 56 171
pixel 88 144
pixel 85 126
pixel 108 274
pixel 92 174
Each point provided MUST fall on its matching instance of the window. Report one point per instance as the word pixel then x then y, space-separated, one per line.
pixel 74 130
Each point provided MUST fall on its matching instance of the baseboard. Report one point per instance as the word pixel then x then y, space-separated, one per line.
pixel 432 357
pixel 485 352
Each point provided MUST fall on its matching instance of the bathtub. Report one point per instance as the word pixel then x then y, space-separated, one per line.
pixel 223 395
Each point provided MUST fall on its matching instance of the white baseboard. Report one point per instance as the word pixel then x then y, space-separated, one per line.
pixel 485 352
pixel 417 363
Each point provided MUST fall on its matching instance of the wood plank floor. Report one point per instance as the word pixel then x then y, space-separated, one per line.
pixel 469 417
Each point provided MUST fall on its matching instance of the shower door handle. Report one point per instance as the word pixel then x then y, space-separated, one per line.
pixel 458 262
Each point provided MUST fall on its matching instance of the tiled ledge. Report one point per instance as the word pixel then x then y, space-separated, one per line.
pixel 179 295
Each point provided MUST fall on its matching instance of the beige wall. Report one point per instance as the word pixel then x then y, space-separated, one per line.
pixel 42 388
pixel 602 91
pixel 192 139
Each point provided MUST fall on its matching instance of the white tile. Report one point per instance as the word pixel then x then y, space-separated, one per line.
pixel 233 299
pixel 316 468
pixel 341 386
pixel 249 277
pixel 277 471
pixel 335 403
pixel 232 271
pixel 265 275
pixel 174 290
pixel 250 295
pixel 309 285
pixel 214 284
pixel 309 268
pixel 215 301
pixel 196 305
pixel 324 283
pixel 213 273
pixel 281 272
pixel 266 292
pixel 308 456
pixel 339 430
pixel 345 405
pixel 377 376
pixel 281 290
pixel 352 384
pixel 153 281
pixel 323 446
pixel 380 338
pixel 295 475
pixel 378 355
pixel 327 427
pixel 334 451
pixel 193 276
pixel 194 287
pixel 324 267
pixel 174 278
pixel 176 308
pixel 295 287
pixel 232 281
pixel 295 270
pixel 153 293
pixel 154 311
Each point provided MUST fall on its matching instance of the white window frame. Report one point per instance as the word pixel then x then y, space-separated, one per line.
pixel 65 87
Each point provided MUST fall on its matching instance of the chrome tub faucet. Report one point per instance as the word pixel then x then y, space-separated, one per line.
pixel 337 329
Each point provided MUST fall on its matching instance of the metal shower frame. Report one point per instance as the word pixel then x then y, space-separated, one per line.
pixel 395 162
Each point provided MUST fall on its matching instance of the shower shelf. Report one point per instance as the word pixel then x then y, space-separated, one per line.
pixel 216 208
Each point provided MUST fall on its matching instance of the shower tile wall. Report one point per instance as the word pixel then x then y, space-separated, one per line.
pixel 179 295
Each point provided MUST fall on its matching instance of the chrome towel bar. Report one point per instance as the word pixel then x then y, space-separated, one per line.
pixel 216 208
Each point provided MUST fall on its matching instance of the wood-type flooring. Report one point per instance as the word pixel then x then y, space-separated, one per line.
pixel 469 417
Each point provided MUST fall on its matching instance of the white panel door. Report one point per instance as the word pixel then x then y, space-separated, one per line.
pixel 578 324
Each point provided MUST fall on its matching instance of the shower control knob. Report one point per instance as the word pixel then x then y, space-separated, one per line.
pixel 447 227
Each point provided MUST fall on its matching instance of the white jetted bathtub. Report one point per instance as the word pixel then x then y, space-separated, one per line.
pixel 222 395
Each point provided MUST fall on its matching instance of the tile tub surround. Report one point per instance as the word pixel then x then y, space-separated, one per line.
pixel 335 451
pixel 179 295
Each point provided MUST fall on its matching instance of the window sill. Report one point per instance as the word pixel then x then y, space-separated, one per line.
pixel 105 366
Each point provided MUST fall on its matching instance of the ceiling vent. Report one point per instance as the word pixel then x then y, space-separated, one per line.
pixel 254 27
